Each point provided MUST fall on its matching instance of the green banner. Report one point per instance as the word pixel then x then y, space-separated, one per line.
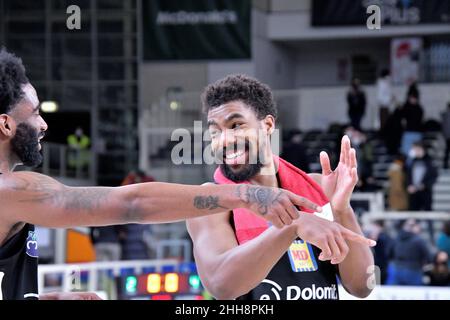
pixel 196 29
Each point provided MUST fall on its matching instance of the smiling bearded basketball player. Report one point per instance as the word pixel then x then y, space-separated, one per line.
pixel 257 261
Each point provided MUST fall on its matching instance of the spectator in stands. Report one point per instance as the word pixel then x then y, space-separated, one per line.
pixel 385 97
pixel 356 100
pixel 364 152
pixel 78 154
pixel 106 241
pixel 294 151
pixel 446 132
pixel 383 249
pixel 413 89
pixel 443 240
pixel 410 255
pixel 134 246
pixel 438 274
pixel 412 116
pixel 397 197
pixel 393 131
pixel 421 176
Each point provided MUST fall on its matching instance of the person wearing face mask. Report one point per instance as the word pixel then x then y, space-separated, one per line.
pixel 421 176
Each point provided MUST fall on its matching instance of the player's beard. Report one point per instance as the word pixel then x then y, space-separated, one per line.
pixel 25 145
pixel 246 172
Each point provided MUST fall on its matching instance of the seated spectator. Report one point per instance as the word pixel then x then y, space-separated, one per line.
pixel 438 273
pixel 410 255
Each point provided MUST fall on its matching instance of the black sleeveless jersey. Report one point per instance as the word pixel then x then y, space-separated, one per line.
pixel 318 282
pixel 19 266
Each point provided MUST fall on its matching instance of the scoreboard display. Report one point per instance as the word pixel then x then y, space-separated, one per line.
pixel 162 286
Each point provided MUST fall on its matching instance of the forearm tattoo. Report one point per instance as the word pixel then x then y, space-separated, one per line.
pixel 45 189
pixel 263 197
pixel 207 202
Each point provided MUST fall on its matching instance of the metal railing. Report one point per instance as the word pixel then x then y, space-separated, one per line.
pixel 173 245
pixel 61 161
pixel 374 199
pixel 402 215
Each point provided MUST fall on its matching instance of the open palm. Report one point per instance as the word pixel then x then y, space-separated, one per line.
pixel 338 185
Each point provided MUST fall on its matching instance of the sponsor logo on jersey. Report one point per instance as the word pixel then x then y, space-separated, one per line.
pixel 32 245
pixel 299 293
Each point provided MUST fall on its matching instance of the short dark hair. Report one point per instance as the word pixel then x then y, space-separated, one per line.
pixel 420 144
pixel 239 87
pixel 384 73
pixel 12 77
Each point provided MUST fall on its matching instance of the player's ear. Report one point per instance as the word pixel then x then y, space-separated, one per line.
pixel 269 124
pixel 7 125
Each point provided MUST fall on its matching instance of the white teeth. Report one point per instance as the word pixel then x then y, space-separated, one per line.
pixel 234 155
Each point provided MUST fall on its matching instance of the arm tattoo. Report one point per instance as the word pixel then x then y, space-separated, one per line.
pixel 209 202
pixel 45 189
pixel 263 197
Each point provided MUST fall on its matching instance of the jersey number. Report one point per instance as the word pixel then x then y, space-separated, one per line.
pixel 2 274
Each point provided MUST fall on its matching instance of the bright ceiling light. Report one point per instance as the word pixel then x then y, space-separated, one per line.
pixel 49 106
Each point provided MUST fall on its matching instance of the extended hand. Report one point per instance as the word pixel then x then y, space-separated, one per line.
pixel 328 236
pixel 275 205
pixel 338 185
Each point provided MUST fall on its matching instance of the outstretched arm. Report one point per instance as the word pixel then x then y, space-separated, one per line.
pixel 39 199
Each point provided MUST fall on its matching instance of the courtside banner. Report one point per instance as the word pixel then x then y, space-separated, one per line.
pixel 393 12
pixel 196 29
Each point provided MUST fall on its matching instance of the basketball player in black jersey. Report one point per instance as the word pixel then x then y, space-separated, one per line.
pixel 266 265
pixel 28 198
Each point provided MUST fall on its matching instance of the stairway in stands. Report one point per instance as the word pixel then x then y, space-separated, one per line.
pixel 441 192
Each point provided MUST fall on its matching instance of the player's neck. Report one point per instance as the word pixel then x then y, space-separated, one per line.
pixel 7 164
pixel 267 175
